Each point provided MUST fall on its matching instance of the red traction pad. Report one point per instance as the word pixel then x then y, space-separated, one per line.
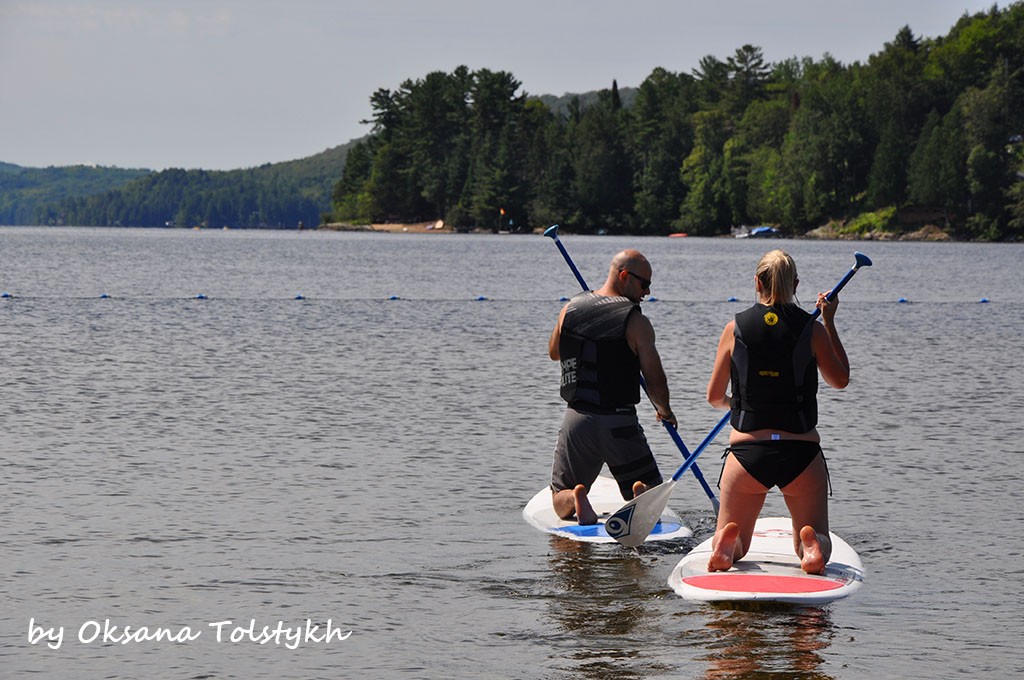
pixel 762 583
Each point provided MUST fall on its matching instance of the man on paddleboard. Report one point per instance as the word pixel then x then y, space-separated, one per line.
pixel 604 344
pixel 772 353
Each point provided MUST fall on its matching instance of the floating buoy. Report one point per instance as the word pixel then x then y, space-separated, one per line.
pixel 563 299
pixel 902 299
pixel 103 296
pixel 481 298
pixel 299 297
pixel 732 299
pixel 200 297
pixel 5 294
pixel 394 297
pixel 983 300
pixel 652 299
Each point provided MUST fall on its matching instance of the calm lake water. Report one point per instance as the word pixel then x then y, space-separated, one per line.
pixel 359 459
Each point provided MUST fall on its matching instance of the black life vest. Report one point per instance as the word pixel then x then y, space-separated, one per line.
pixel 774 374
pixel 599 370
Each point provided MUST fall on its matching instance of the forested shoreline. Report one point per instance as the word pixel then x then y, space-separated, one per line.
pixel 927 131
pixel 273 195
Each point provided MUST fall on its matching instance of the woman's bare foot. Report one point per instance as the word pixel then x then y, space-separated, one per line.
pixel 725 548
pixel 584 511
pixel 812 561
pixel 638 488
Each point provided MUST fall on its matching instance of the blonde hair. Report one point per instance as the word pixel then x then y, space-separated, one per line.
pixel 777 273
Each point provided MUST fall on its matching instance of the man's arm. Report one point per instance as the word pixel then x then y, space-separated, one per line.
pixel 640 335
pixel 556 336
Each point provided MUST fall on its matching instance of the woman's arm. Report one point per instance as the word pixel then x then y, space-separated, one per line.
pixel 722 372
pixel 833 364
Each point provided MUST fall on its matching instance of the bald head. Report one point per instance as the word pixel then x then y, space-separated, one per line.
pixel 629 258
pixel 627 275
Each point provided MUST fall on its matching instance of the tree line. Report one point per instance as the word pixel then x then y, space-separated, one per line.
pixel 25 192
pixel 273 195
pixel 927 130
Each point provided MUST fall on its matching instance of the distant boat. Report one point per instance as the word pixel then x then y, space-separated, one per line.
pixel 759 232
pixel 678 234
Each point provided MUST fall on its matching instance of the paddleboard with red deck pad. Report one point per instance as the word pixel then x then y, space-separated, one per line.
pixel 769 572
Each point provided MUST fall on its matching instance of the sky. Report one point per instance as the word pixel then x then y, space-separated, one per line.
pixel 226 84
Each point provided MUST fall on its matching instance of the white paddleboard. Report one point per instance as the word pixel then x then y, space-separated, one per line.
pixel 605 498
pixel 769 572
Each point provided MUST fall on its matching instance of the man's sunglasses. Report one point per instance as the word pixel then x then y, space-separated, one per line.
pixel 646 283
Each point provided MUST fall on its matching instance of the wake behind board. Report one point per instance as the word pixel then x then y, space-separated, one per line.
pixel 605 498
pixel 769 572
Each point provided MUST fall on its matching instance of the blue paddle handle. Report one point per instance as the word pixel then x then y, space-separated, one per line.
pixel 552 233
pixel 862 261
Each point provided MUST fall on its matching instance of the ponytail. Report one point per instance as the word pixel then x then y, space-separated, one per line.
pixel 777 273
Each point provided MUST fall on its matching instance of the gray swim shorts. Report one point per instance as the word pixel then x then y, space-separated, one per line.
pixel 587 441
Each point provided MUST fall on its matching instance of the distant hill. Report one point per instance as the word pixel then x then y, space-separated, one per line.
pixel 278 195
pixel 26 191
pixel 560 105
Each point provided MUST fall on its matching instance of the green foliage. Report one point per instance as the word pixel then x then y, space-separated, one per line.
pixel 883 220
pixel 923 126
pixel 25 192
pixel 938 165
pixel 279 195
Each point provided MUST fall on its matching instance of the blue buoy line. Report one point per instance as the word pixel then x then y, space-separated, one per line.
pixel 478 298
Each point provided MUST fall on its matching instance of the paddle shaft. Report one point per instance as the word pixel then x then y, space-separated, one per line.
pixel 700 448
pixel 552 233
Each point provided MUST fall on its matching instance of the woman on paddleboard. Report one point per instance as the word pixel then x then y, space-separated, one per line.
pixel 772 354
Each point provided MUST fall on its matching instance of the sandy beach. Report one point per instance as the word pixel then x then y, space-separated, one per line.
pixel 436 226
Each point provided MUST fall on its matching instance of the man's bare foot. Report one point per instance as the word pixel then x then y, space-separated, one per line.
pixel 584 511
pixel 811 561
pixel 725 548
pixel 638 488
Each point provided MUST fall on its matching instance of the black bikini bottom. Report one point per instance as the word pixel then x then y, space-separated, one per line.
pixel 777 462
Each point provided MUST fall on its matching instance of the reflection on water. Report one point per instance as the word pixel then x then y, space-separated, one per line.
pixel 767 641
pixel 596 601
pixel 610 606
pixel 604 601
